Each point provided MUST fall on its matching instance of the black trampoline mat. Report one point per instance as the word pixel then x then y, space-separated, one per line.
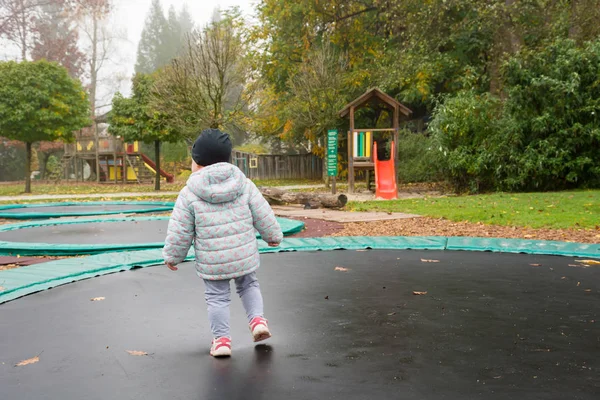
pixel 117 232
pixel 491 326
pixel 81 208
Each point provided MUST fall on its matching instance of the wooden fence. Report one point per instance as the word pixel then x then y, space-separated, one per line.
pixel 262 166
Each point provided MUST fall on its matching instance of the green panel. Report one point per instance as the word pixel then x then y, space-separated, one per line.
pixel 288 226
pixel 524 246
pixel 160 206
pixel 19 282
pixel 361 144
pixel 23 281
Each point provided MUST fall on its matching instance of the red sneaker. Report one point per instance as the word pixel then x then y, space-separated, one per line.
pixel 259 329
pixel 221 347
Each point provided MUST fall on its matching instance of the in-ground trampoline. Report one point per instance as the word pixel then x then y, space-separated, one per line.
pixel 91 236
pixel 78 209
pixel 346 325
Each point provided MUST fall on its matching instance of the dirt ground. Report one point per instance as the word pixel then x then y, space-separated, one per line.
pixel 425 226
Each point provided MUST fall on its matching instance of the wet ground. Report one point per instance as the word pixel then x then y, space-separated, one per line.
pixel 490 326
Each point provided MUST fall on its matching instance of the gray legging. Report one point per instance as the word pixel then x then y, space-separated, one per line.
pixel 218 297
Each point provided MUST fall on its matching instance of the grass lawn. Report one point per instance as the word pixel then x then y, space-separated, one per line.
pixel 15 189
pixel 569 209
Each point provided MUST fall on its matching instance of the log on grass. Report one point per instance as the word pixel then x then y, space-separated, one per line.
pixel 310 200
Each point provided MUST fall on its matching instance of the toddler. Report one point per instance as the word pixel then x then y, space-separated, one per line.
pixel 217 211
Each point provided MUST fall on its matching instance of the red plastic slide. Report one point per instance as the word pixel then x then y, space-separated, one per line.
pixel 385 176
pixel 170 178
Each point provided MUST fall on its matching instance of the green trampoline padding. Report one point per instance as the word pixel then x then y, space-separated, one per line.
pixel 288 226
pixel 19 282
pixel 81 209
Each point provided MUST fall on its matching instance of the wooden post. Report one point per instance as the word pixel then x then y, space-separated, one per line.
pixel 124 164
pixel 114 140
pixel 396 131
pixel 97 152
pixel 350 153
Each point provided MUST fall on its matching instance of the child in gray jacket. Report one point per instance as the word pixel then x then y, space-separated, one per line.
pixel 218 211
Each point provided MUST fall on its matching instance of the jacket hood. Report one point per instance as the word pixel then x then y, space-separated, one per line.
pixel 218 183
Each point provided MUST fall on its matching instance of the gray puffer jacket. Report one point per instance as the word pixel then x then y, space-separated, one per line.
pixel 218 210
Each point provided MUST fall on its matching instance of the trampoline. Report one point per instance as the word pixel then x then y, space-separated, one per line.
pixel 91 236
pixel 491 325
pixel 80 209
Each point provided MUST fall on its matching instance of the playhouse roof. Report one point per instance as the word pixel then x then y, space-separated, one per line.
pixel 374 96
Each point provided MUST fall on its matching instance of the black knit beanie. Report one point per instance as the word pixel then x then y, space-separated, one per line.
pixel 211 147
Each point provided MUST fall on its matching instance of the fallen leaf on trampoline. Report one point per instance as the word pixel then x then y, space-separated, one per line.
pixel 578 283
pixel 574 265
pixel 563 277
pixel 431 261
pixel 419 293
pixel 342 269
pixel 536 265
pixel 137 353
pixel 97 298
pixel 589 262
pixel 28 361
pixel 588 290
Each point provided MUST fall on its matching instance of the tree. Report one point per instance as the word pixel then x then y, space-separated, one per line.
pixel 186 22
pixel 206 86
pixel 16 22
pixel 39 101
pixel 57 39
pixel 152 47
pixel 317 95
pixel 93 15
pixel 135 119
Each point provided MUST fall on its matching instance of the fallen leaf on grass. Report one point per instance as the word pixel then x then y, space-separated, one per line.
pixel 392 313
pixel 97 298
pixel 342 269
pixel 28 361
pixel 589 262
pixel 419 293
pixel 137 353
pixel 431 261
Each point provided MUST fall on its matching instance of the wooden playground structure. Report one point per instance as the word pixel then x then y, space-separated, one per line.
pixel 110 159
pixel 362 145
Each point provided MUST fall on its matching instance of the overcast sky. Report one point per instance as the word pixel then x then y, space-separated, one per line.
pixel 130 16
pixel 126 24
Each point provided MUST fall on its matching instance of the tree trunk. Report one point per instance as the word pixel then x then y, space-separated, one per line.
pixel 573 26
pixel 43 162
pixel 276 196
pixel 23 33
pixel 157 162
pixel 93 87
pixel 27 167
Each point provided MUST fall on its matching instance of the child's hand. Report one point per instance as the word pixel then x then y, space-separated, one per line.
pixel 273 244
pixel 172 267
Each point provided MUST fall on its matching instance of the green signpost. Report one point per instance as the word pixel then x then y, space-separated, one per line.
pixel 332 150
